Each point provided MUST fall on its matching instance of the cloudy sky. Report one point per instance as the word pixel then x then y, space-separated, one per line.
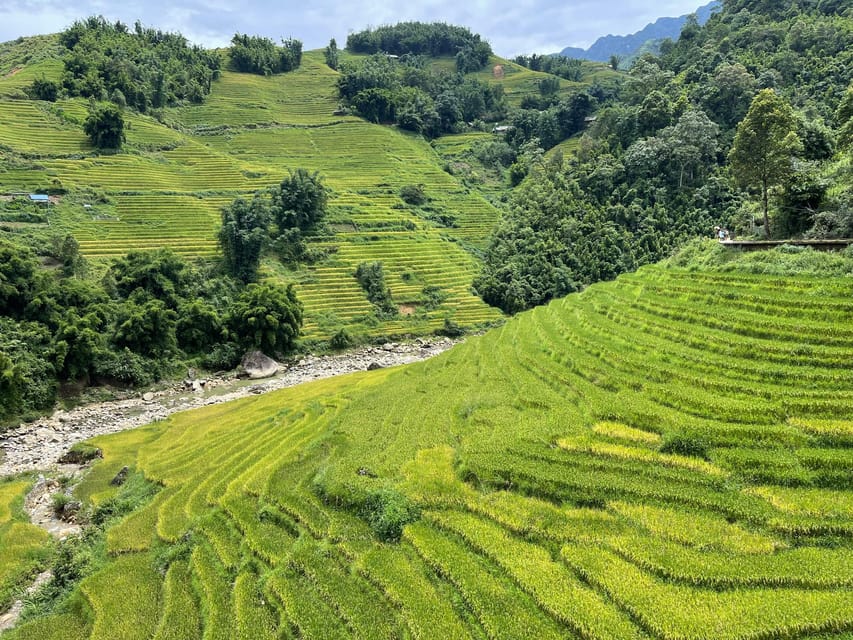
pixel 512 26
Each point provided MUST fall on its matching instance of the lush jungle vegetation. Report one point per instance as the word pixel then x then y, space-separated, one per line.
pixel 743 123
pixel 149 313
pixel 140 67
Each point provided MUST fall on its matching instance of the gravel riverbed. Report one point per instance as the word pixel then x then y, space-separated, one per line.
pixel 38 445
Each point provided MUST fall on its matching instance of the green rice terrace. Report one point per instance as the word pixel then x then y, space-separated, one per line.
pixel 167 188
pixel 669 455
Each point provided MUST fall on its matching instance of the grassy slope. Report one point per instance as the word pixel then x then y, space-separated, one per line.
pixel 168 186
pixel 668 455
pixel 23 546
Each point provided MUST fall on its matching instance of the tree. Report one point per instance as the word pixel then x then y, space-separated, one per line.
pixel 199 327
pixel 42 89
pixel 844 117
pixel 300 201
pixel 764 145
pixel 242 236
pixel 147 329
pixel 332 55
pixel 76 344
pixel 12 385
pixel 267 317
pixel 105 126
pixel 693 143
pixel 256 54
pixel 18 282
pixel 161 273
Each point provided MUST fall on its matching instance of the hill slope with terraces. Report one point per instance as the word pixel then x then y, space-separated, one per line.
pixel 663 456
pixel 168 185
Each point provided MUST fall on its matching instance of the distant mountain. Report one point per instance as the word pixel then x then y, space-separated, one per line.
pixel 628 46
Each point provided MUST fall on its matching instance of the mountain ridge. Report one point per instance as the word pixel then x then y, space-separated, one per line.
pixel 628 45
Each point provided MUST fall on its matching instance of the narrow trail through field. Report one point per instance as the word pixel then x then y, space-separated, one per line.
pixel 40 444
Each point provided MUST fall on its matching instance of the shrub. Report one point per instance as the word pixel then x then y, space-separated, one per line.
pixel 42 89
pixel 371 277
pixel 222 357
pixel 413 194
pixel 388 511
pixel 341 340
pixel 450 329
pixel 124 367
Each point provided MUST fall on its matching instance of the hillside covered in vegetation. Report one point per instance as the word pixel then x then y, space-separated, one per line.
pixel 148 144
pixel 743 123
pixel 663 456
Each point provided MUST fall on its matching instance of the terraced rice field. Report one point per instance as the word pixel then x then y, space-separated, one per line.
pixel 168 187
pixel 22 545
pixel 307 96
pixel 664 456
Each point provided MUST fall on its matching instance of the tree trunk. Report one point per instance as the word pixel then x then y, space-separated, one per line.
pixel 765 204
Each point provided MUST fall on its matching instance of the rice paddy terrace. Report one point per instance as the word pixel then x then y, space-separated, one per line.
pixel 669 455
pixel 168 186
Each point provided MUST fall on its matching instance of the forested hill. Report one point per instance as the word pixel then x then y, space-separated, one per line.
pixel 680 150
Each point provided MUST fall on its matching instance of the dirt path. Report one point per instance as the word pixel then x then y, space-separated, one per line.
pixel 39 445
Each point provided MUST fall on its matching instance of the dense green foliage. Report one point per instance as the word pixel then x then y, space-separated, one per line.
pixel 421 39
pixel 256 54
pixel 566 68
pixel 753 100
pixel 653 458
pixel 142 67
pixel 149 311
pixel 764 144
pixel 300 201
pixel 416 97
pixel 267 317
pixel 371 277
pixel 242 236
pixel 105 126
pixel 42 89
pixel 332 55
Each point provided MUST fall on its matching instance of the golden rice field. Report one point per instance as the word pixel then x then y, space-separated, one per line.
pixel 666 456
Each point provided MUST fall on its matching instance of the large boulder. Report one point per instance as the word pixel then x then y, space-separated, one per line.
pixel 256 365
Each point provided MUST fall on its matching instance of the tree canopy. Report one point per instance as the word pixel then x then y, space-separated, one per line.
pixel 105 126
pixel 420 38
pixel 242 236
pixel 147 67
pixel 267 317
pixel 256 54
pixel 299 201
pixel 764 146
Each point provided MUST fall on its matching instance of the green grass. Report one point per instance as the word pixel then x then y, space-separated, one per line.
pixel 649 458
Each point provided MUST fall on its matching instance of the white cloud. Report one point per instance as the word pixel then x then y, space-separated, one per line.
pixel 512 27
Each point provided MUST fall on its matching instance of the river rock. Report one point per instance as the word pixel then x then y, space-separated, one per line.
pixel 120 477
pixel 257 365
pixel 70 511
pixel 148 396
